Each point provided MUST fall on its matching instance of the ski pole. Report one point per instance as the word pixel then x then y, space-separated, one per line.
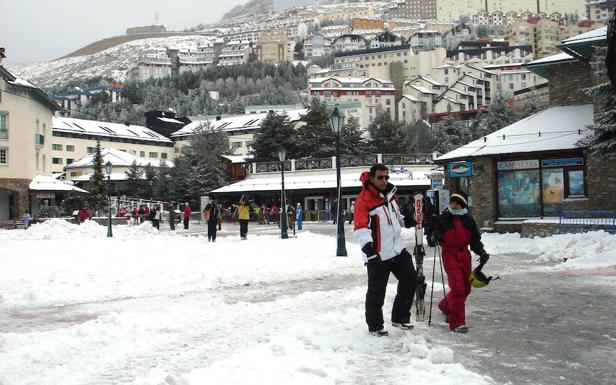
pixel 432 288
pixel 440 259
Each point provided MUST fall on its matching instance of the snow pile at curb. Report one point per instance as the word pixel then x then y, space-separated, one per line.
pixel 56 229
pixel 573 251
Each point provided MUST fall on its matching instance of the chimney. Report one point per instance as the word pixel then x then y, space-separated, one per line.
pixel 2 55
pixel 218 118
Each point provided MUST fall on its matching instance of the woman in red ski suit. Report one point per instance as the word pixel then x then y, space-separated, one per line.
pixel 455 230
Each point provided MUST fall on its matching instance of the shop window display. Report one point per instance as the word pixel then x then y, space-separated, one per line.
pixel 518 194
pixel 553 190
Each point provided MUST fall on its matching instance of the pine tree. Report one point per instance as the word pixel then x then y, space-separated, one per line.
pixel 352 141
pixel 451 135
pixel 205 165
pixel 604 126
pixel 134 180
pixel 275 131
pixel 419 138
pixel 98 186
pixel 499 116
pixel 315 139
pixel 150 177
pixel 162 182
pixel 386 135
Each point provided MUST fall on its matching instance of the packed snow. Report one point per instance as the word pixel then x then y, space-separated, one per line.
pixel 146 307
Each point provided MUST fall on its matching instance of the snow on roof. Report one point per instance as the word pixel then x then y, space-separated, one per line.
pixel 234 123
pixel 106 129
pixel 238 158
pixel 349 80
pixel 551 59
pixel 46 183
pixel 411 98
pixel 594 35
pixel 422 89
pixel 301 180
pixel 560 128
pixel 450 100
pixel 430 80
pixel 170 120
pixel 117 158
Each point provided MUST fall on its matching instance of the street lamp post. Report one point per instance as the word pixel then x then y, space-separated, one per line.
pixel 108 169
pixel 282 154
pixel 336 119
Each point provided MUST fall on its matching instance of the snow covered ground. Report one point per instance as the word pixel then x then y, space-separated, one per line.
pixel 159 308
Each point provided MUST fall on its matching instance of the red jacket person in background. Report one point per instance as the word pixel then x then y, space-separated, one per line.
pixel 378 223
pixel 455 230
pixel 187 213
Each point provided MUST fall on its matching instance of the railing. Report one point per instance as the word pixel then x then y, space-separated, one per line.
pixel 390 159
pixel 313 164
pixel 4 134
pixel 272 166
pixel 358 160
pixel 584 221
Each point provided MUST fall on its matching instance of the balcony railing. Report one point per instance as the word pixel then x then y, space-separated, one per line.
pixel 4 134
pixel 345 161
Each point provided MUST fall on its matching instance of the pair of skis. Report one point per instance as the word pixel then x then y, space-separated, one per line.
pixel 419 254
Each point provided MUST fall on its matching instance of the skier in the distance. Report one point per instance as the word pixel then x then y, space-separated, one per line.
pixel 378 222
pixel 455 230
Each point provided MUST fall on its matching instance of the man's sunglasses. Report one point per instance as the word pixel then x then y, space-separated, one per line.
pixel 381 177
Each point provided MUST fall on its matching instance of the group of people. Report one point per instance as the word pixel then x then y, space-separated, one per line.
pixel 145 213
pixel 378 222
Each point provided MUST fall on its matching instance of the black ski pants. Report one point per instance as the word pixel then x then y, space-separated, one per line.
pixel 243 228
pixel 186 223
pixel 211 231
pixel 378 275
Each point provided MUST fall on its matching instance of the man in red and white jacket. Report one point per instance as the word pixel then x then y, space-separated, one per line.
pixel 378 222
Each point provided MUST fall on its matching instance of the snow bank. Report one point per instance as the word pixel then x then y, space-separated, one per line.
pixel 61 263
pixel 573 251
pixel 59 229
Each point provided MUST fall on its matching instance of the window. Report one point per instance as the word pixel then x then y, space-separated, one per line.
pixel 69 161
pixel 576 183
pixel 4 125
pixel 153 155
pixel 91 150
pixel 163 155
pixel 518 194
pixel 56 160
pixel 4 156
pixel 235 145
pixel 142 154
pixel 56 147
pixel 70 148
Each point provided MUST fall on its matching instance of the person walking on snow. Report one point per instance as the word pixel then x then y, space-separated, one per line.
pixel 243 211
pixel 352 211
pixel 299 216
pixel 211 215
pixel 455 230
pixel 172 216
pixel 377 230
pixel 187 213
pixel 26 220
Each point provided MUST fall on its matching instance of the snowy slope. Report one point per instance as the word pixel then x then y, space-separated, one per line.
pixel 113 62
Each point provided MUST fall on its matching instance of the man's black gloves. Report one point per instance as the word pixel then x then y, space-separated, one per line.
pixel 370 250
pixel 434 238
pixel 483 257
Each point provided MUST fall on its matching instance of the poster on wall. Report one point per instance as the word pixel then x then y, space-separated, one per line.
pixel 459 169
pixel 518 194
pixel 576 183
pixel 553 190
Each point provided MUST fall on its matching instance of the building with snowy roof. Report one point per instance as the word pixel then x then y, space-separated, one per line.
pixel 25 146
pixel 240 129
pixel 81 170
pixel 540 165
pixel 312 182
pixel 74 139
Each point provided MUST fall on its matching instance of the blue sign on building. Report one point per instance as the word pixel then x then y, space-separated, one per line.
pixel 562 162
pixel 459 169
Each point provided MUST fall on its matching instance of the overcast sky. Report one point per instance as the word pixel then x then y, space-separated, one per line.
pixel 41 30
